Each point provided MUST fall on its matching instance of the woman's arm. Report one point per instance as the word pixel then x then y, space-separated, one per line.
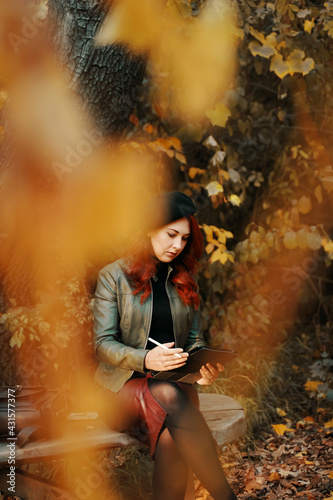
pixel 108 346
pixel 209 372
pixel 195 337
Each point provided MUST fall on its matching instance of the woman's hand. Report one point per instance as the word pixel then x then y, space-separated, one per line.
pixel 160 359
pixel 209 373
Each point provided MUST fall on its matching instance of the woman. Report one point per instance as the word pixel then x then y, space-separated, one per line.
pixel 152 294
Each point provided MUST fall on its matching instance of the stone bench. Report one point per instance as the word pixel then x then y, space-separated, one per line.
pixel 223 414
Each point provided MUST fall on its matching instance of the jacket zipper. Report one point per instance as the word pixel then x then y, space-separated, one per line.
pixel 172 314
pixel 151 316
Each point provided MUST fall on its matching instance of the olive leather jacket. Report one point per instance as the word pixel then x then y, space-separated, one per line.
pixel 122 325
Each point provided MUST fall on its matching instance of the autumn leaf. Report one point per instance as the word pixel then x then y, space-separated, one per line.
pixel 195 171
pixel 274 476
pixel 304 205
pixel 234 200
pixel 318 193
pixel 219 116
pixel 312 385
pixel 290 240
pixel 329 424
pixel 295 63
pixel 214 187
pixel 267 46
pixel 148 128
pixel 279 66
pixel 280 429
pixel 261 50
pixel 176 143
pixel 210 247
pixel 308 25
pixel 280 412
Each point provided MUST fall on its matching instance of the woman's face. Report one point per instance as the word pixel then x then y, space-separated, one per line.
pixel 169 241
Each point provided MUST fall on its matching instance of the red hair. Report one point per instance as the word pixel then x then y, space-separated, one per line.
pixel 143 266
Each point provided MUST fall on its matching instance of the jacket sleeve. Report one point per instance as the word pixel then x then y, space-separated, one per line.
pixel 195 338
pixel 107 342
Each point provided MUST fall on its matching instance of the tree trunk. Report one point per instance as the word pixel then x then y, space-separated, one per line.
pixel 108 79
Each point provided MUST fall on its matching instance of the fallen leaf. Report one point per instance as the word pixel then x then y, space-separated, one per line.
pixel 280 429
pixel 275 476
pixel 312 385
pixel 253 485
pixel 329 424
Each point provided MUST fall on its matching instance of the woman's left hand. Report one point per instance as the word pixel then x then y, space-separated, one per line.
pixel 209 373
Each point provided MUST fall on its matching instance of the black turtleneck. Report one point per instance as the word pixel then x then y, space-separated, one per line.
pixel 161 328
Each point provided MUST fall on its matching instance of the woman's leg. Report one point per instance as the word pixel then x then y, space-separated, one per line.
pixel 170 470
pixel 192 437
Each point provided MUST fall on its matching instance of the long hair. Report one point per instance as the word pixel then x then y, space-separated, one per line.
pixel 142 266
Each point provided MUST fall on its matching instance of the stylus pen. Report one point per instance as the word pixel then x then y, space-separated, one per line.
pixel 163 346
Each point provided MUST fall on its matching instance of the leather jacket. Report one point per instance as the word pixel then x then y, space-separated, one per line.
pixel 122 325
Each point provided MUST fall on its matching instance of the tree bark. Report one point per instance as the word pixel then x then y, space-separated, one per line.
pixel 108 79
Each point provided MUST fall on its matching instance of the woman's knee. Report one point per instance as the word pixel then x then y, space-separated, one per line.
pixel 168 394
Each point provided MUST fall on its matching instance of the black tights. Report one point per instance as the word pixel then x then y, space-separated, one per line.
pixel 185 443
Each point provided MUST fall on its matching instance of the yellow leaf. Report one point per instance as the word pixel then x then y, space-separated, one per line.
pixel 195 171
pixel 297 63
pixel 223 258
pixel 312 385
pixel 330 475
pixel 302 238
pixel 290 240
pixel 209 232
pixel 274 476
pixel 214 187
pixel 210 247
pixel 314 240
pixel 180 157
pixel 176 143
pixel 280 429
pixel 329 424
pixel 318 193
pixel 279 66
pixel 280 412
pixel 216 255
pixel 327 245
pixel 234 200
pixel 148 128
pixel 304 205
pixel 261 50
pixel 308 25
pixel 219 116
pixel 259 36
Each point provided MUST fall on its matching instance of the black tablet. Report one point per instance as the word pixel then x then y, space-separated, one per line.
pixel 190 372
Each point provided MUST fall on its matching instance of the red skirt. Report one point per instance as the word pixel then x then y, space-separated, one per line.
pixel 135 411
